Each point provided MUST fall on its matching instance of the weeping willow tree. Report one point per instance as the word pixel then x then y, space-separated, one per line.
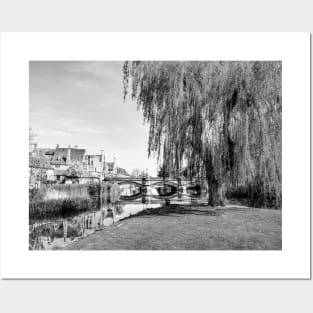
pixel 220 120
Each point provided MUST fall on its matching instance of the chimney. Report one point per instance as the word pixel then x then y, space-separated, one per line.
pixel 102 160
pixel 58 146
pixel 68 157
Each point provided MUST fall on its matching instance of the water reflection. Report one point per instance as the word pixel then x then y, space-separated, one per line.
pixel 50 234
pixel 162 190
pixel 130 190
pixel 47 235
pixel 194 190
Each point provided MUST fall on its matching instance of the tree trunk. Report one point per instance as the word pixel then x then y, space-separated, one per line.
pixel 215 196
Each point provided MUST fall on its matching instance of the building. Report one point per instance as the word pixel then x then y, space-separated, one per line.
pixel 39 168
pixel 111 168
pixel 71 176
pixel 96 164
pixel 62 161
pixel 64 157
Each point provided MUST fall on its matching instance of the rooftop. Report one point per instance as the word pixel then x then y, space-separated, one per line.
pixel 60 154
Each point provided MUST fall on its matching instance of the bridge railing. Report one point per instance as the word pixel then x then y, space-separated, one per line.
pixel 180 185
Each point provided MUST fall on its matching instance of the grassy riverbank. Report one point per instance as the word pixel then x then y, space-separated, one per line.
pixel 191 227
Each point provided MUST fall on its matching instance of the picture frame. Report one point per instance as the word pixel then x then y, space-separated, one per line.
pixel 292 262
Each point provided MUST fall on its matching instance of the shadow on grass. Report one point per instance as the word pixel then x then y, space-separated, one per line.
pixel 175 210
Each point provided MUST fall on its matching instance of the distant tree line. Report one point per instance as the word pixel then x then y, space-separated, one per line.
pixel 136 172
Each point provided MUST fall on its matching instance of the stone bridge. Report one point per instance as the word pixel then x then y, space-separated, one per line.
pixel 156 187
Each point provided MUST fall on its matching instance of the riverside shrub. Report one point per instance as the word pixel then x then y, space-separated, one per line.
pixel 78 198
pixel 60 207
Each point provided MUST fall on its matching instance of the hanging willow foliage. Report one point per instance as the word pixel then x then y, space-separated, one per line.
pixel 218 119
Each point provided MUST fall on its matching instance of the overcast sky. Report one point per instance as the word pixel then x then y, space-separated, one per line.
pixel 81 103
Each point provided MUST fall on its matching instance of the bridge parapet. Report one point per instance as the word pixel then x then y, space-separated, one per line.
pixel 157 187
pixel 150 180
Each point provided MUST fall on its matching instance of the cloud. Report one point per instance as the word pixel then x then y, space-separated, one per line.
pixel 62 133
pixel 86 129
pixel 82 103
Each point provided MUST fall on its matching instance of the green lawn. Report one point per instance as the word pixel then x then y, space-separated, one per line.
pixel 191 227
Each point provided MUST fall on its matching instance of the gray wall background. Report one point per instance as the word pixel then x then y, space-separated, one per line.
pixel 156 296
pixel 161 15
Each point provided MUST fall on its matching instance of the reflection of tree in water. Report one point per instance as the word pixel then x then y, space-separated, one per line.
pixel 166 190
pixel 43 235
pixel 113 208
pixel 194 190
pixel 119 208
pixel 47 231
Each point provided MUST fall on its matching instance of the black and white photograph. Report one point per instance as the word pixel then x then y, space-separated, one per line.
pixel 155 155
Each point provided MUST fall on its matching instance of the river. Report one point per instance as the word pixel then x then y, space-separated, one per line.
pixel 60 232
